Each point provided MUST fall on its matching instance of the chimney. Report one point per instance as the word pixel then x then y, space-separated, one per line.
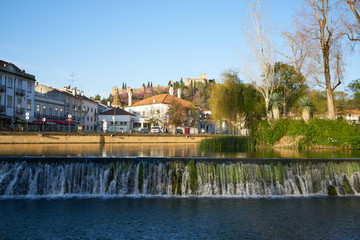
pixel 74 91
pixel 78 92
pixel 82 93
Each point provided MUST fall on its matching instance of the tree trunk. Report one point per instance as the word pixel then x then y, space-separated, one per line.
pixel 267 109
pixel 329 89
pixel 306 115
pixel 276 113
pixel 330 104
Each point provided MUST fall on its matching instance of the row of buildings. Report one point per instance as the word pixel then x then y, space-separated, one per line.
pixel 27 105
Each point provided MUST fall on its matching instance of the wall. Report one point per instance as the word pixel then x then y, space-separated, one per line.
pixel 54 139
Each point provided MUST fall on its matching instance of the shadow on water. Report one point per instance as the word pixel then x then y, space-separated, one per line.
pixel 160 150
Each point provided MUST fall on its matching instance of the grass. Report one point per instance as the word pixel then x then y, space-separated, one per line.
pixel 226 144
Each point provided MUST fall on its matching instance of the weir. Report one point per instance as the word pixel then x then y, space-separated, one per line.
pixel 178 177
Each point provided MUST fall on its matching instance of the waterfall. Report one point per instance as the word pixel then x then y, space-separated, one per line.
pixel 180 177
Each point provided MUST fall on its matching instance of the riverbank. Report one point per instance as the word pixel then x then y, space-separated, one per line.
pixel 60 138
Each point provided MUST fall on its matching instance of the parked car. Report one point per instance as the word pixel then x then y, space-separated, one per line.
pixel 155 129
pixel 179 131
pixel 143 130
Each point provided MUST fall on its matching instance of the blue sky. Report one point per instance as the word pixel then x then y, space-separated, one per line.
pixel 106 43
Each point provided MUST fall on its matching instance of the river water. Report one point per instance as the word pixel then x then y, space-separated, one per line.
pixel 103 192
pixel 180 218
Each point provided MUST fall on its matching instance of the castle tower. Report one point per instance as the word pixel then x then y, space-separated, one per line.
pixel 179 93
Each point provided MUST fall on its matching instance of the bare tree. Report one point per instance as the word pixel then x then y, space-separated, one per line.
pixel 322 23
pixel 259 41
pixel 352 26
pixel 300 48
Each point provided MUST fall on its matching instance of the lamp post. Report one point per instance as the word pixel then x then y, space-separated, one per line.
pixel 43 120
pixel 27 121
pixel 69 120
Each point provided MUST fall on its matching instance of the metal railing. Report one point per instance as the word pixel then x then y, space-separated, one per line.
pixel 20 91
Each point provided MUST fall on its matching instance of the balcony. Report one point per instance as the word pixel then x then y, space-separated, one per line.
pixel 20 110
pixel 2 88
pixel 2 109
pixel 20 92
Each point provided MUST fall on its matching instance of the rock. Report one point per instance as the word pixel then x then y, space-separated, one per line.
pixel 331 190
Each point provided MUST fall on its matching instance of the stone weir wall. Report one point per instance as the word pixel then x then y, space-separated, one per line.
pixel 53 139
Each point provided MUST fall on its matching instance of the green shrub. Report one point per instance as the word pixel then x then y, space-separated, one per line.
pixel 341 133
pixel 226 143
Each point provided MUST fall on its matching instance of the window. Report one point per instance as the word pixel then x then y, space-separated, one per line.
pixel 10 82
pixel 38 108
pixel 87 127
pixel 44 110
pixel 19 103
pixel 61 112
pixel 91 118
pixel 87 118
pixel 19 84
pixel 50 111
pixel 9 101
pixel 56 112
pixel 91 109
pixel 28 105
pixel 29 87
pixel 95 111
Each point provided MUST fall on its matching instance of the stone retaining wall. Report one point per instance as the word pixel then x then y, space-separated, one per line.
pixel 53 139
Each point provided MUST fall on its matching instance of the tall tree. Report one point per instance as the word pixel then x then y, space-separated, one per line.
pixel 351 19
pixel 258 33
pixel 321 19
pixel 300 49
pixel 292 85
pixel 178 114
pixel 233 99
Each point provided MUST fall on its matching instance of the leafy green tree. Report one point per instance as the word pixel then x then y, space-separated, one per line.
pixel 234 99
pixel 177 114
pixel 355 88
pixel 97 97
pixel 292 85
pixel 318 99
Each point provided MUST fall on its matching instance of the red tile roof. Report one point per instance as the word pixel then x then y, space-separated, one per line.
pixel 162 98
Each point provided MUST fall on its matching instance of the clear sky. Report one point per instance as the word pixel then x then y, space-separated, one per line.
pixel 105 43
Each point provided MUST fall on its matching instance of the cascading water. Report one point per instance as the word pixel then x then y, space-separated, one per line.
pixel 180 177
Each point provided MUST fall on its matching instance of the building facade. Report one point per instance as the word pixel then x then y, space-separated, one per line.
pixel 50 106
pixel 17 97
pixel 115 120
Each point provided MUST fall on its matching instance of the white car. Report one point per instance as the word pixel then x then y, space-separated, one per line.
pixel 155 129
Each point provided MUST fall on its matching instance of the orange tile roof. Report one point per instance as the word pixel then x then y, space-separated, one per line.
pixel 162 98
pixel 352 112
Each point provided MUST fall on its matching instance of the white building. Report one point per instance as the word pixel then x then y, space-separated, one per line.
pixel 17 96
pixel 153 110
pixel 115 120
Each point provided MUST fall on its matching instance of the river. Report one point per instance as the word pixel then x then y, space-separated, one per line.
pixel 172 191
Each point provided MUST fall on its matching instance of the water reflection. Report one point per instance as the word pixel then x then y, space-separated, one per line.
pixel 159 150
